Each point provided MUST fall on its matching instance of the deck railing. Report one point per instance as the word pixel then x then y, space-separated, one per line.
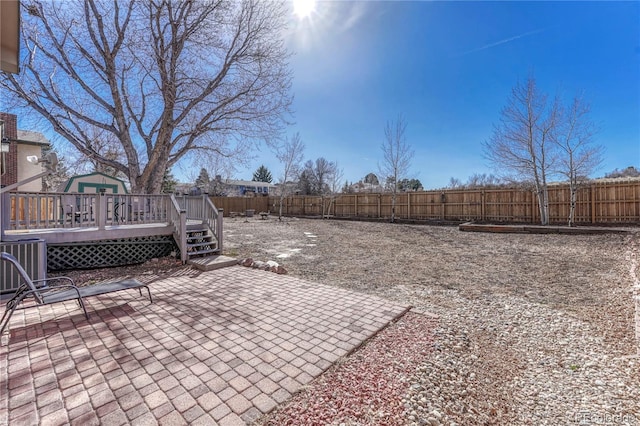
pixel 42 210
pixel 212 217
pixel 202 210
pixel 178 217
pixel 93 213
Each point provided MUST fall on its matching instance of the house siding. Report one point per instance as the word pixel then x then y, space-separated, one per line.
pixel 22 144
pixel 11 158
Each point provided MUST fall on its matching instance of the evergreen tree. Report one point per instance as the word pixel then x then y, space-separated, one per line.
pixel 262 175
pixel 405 185
pixel 305 182
pixel 203 180
pixel 372 179
pixel 169 182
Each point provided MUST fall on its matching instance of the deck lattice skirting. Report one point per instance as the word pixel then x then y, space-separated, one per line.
pixel 95 254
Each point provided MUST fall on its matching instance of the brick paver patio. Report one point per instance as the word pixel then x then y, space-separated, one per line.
pixel 215 348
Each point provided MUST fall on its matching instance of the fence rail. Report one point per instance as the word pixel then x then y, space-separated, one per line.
pixel 597 203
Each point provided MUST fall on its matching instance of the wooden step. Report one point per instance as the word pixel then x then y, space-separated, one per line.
pixel 199 234
pixel 210 263
pixel 201 239
pixel 195 253
pixel 202 244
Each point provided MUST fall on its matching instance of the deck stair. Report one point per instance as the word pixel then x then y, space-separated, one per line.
pixel 201 242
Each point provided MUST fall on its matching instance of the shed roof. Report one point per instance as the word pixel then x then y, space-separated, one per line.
pixel 93 180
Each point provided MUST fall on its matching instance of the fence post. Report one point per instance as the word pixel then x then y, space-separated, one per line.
pixel 408 205
pixel 534 197
pixel 593 203
pixel 379 207
pixel 355 210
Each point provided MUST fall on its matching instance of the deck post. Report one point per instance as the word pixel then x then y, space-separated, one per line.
pixel 219 229
pixel 203 209
pixel 5 213
pixel 101 211
pixel 183 236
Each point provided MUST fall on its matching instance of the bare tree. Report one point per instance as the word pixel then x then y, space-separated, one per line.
pixel 60 175
pixel 324 171
pixel 521 144
pixel 290 154
pixel 166 79
pixel 316 175
pixel 483 180
pixel 579 156
pixel 334 184
pixel 454 183
pixel 396 160
pixel 630 171
pixel 110 148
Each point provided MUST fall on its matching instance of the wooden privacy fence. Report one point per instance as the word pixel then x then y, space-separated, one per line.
pixel 232 205
pixel 598 202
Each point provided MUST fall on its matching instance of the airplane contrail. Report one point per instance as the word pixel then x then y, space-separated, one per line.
pixel 504 41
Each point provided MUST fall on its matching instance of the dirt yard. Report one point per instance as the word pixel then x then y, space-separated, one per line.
pixel 506 328
pixel 531 329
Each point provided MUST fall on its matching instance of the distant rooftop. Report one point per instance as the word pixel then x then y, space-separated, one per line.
pixel 247 183
pixel 28 136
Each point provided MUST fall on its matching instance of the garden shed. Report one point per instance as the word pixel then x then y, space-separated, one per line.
pixel 93 183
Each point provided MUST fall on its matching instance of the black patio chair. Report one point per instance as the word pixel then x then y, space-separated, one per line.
pixel 48 291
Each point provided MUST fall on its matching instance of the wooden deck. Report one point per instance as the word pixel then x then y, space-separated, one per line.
pixel 76 235
pixel 68 218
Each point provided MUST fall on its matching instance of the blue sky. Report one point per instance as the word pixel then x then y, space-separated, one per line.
pixel 448 68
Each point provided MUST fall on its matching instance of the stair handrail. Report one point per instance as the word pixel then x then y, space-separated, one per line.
pixel 179 221
pixel 213 219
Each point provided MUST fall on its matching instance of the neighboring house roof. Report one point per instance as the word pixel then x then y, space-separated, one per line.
pixel 227 186
pixel 248 183
pixel 31 137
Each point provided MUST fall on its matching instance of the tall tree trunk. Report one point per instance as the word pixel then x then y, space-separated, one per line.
pixel 280 206
pixel 542 194
pixel 393 207
pixel 572 205
pixel 545 198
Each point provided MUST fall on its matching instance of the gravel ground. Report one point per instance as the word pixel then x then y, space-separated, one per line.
pixel 367 387
pixel 520 329
pixel 532 329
